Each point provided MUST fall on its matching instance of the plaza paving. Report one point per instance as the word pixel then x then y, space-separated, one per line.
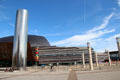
pixel 60 75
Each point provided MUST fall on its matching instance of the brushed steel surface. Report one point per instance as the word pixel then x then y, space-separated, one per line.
pixel 20 40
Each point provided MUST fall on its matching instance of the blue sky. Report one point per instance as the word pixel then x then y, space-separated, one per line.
pixel 67 22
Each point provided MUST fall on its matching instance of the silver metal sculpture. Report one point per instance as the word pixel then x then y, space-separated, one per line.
pixel 20 40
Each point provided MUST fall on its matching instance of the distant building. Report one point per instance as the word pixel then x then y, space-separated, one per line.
pixel 62 55
pixel 39 51
pixel 114 55
pixel 118 44
pixel 103 57
pixel 6 47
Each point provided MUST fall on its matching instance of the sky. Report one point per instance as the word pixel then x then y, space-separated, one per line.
pixel 68 23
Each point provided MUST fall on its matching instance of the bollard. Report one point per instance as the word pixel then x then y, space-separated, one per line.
pixel 96 59
pixel 90 56
pixel 109 58
pixel 83 59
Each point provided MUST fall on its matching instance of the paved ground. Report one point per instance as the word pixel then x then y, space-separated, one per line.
pixel 85 75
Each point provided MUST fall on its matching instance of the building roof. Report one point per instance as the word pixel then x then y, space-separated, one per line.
pixel 34 40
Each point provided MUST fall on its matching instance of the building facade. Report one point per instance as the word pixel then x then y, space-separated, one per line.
pixel 61 55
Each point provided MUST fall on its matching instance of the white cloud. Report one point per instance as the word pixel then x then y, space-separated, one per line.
pixel 113 37
pixel 117 16
pixel 82 39
pixel 94 36
pixel 102 26
pixel 106 43
pixel 118 3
